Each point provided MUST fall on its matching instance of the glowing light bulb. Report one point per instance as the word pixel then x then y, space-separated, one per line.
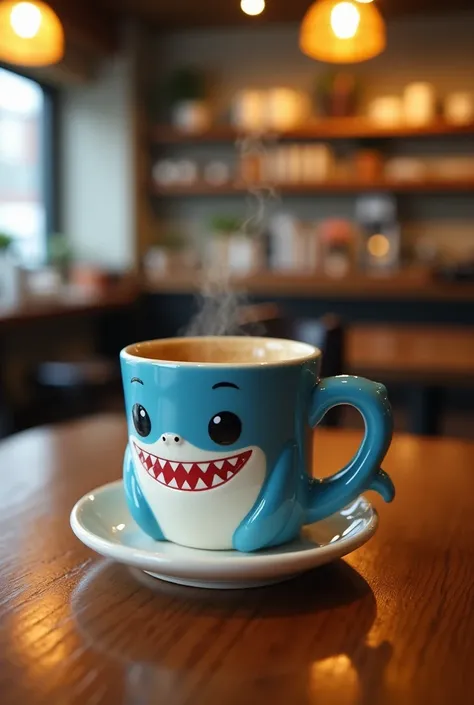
pixel 345 18
pixel 25 19
pixel 342 31
pixel 378 245
pixel 252 7
pixel 31 33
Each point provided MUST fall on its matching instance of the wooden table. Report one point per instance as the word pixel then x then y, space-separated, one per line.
pixel 393 623
pixel 69 303
pixel 427 358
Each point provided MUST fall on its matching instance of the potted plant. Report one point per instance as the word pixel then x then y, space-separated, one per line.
pixel 5 243
pixel 185 97
pixel 60 254
pixel 172 254
pixel 337 94
pixel 225 225
pixel 11 280
pixel 231 248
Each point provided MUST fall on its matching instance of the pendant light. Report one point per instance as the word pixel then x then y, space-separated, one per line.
pixel 252 7
pixel 342 31
pixel 31 34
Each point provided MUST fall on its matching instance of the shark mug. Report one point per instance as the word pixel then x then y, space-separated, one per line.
pixel 218 437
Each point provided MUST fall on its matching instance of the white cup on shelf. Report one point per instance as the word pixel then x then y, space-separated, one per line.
pixel 386 111
pixel 419 104
pixel 459 108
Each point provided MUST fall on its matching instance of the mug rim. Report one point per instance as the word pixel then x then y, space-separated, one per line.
pixel 311 352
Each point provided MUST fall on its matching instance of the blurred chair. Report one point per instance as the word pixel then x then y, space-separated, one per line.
pixel 72 389
pixel 326 333
pixel 265 319
pixel 6 421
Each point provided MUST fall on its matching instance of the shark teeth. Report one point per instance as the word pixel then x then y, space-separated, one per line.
pixel 192 476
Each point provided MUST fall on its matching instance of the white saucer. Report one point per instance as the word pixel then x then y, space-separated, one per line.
pixel 102 521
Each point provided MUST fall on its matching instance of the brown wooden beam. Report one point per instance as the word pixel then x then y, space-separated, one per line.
pixel 88 25
pixel 175 14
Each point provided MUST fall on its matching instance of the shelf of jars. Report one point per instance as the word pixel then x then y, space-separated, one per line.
pixel 310 168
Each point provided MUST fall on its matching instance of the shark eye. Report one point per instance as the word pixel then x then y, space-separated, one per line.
pixel 225 428
pixel 141 420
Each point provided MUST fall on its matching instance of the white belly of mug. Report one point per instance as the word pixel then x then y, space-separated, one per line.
pixel 205 517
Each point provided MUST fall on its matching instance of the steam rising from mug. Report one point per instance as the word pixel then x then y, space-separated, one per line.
pixel 219 305
pixel 219 309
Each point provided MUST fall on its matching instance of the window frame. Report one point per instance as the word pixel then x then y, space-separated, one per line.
pixel 49 150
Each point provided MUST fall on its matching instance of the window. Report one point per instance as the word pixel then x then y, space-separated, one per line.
pixel 25 165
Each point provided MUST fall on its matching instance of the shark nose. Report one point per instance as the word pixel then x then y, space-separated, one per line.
pixel 171 439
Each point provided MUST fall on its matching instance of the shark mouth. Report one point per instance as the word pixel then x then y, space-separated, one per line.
pixel 192 477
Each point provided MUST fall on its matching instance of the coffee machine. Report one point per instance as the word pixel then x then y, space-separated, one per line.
pixel 376 216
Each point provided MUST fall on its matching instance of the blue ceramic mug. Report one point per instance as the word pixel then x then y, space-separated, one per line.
pixel 218 437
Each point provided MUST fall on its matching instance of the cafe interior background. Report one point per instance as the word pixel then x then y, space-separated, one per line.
pixel 299 169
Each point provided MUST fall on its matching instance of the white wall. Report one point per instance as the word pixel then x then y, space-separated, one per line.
pixel 97 167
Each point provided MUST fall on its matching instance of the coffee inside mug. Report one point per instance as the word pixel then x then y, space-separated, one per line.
pixel 223 350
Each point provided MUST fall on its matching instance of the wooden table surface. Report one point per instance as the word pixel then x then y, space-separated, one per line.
pixel 67 304
pixel 393 623
pixel 442 354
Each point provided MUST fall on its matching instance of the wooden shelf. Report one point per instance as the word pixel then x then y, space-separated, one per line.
pixel 407 284
pixel 324 129
pixel 327 188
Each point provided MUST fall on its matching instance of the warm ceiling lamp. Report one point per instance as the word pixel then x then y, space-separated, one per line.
pixel 30 34
pixel 252 7
pixel 342 31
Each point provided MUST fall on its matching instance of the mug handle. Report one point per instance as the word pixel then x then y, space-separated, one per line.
pixel 363 472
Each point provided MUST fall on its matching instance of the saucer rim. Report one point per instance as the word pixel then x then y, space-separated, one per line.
pixel 258 564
